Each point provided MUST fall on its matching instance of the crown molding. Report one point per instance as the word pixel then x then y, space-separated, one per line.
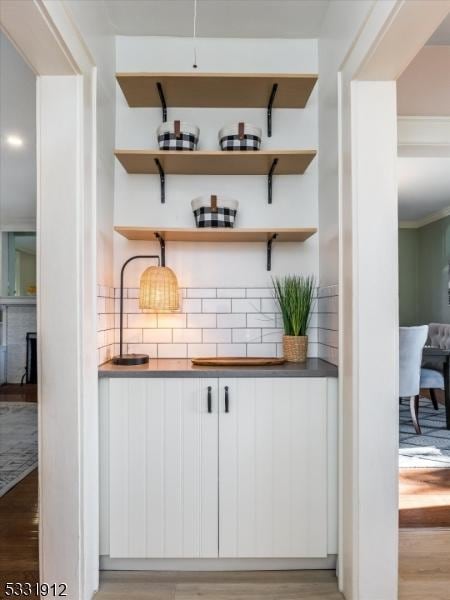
pixel 423 136
pixel 436 216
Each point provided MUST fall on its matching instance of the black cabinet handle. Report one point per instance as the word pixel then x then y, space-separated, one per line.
pixel 227 401
pixel 209 399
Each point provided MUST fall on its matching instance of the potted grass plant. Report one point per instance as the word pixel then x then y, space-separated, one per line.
pixel 295 297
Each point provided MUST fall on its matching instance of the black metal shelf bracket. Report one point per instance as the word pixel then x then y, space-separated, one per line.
pixel 163 100
pixel 269 109
pixel 162 178
pixel 269 251
pixel 162 245
pixel 269 180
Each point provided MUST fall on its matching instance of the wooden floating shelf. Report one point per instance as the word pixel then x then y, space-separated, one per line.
pixel 217 235
pixel 217 90
pixel 290 162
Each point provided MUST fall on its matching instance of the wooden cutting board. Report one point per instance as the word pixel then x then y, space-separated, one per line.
pixel 237 362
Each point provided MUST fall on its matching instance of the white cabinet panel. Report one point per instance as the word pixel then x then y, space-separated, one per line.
pixel 163 468
pixel 273 468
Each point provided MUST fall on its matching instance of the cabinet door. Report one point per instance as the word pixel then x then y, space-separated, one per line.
pixel 163 468
pixel 273 468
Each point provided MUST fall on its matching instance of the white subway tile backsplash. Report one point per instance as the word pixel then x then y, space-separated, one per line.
pixel 313 350
pixel 187 336
pixel 143 320
pixel 231 350
pixel 172 350
pixel 101 305
pixel 231 293
pixel 132 336
pixel 261 320
pixel 246 336
pixel 217 306
pixel 252 305
pixel 130 305
pixel 150 349
pixel 328 305
pixel 269 305
pixel 313 334
pixel 191 305
pixel 327 291
pixel 202 320
pixel 172 320
pixel 213 322
pixel 329 321
pixel 216 336
pixel 101 339
pixel 259 293
pixel 232 320
pixel 329 338
pixel 272 335
pixel 101 322
pixel 261 349
pixel 202 350
pixel 157 336
pixel 201 293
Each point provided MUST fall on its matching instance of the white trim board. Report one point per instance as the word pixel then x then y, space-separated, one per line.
pixel 436 216
pixel 215 564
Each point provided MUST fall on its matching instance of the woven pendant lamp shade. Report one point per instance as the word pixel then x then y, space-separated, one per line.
pixel 159 289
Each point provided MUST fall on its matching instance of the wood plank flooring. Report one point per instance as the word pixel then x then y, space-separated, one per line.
pixel 424 498
pixel 254 585
pixel 14 392
pixel 19 533
pixel 424 569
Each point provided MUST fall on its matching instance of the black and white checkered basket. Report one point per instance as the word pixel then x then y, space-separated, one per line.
pixel 240 136
pixel 214 211
pixel 178 135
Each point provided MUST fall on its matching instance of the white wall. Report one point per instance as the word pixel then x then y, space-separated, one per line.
pixel 92 21
pixel 341 24
pixel 17 117
pixel 137 197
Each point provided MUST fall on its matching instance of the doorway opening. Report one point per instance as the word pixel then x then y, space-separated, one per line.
pixel 424 293
pixel 19 518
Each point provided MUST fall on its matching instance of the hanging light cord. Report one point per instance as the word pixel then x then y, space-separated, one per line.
pixel 194 36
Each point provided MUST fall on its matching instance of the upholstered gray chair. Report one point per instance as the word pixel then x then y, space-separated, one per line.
pixel 412 341
pixel 431 375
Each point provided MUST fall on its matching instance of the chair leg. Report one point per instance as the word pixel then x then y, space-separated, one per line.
pixel 434 399
pixel 414 407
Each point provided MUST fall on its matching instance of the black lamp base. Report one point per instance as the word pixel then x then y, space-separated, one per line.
pixel 131 359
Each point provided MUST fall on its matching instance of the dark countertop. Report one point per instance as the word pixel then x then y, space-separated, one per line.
pixel 171 367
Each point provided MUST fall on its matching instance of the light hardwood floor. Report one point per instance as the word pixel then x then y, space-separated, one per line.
pixel 264 585
pixel 424 499
pixel 424 572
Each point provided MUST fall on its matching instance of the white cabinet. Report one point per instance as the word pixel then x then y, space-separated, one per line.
pixel 182 479
pixel 163 457
pixel 273 468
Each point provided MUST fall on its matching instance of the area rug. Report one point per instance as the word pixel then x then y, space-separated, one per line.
pixel 18 442
pixel 432 448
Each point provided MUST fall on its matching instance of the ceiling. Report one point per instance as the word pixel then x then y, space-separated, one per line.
pixel 423 186
pixel 423 89
pixel 218 18
pixel 441 37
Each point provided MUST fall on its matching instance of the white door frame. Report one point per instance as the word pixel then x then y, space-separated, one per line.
pixel 44 34
pixel 392 35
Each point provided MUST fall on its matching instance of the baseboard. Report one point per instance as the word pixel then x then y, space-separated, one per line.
pixel 216 564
